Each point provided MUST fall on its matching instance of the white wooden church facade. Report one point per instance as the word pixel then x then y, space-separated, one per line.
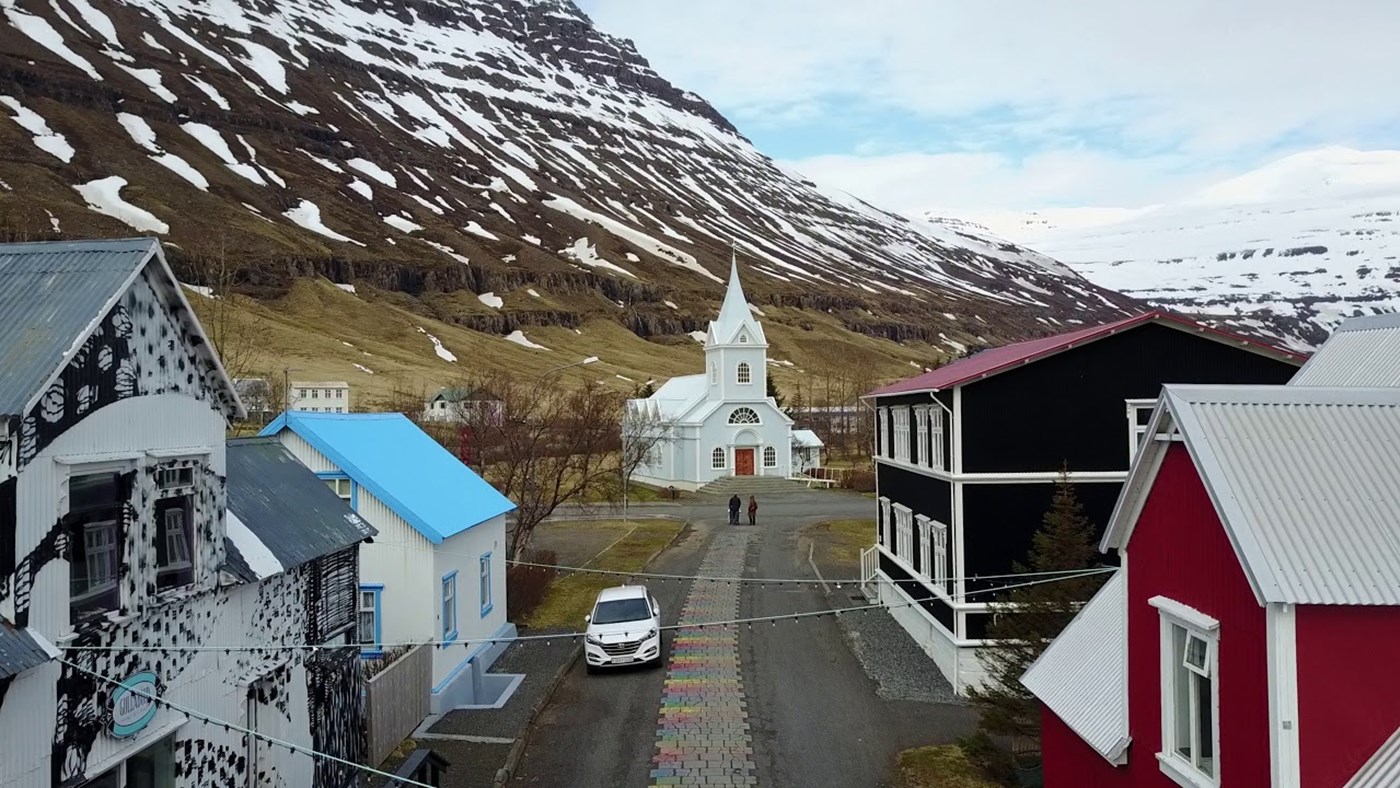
pixel 721 422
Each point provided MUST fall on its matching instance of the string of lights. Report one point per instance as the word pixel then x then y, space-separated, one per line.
pixel 574 636
pixel 229 726
pixel 663 576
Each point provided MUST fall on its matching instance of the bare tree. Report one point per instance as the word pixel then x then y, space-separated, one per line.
pixel 542 445
pixel 644 432
pixel 235 338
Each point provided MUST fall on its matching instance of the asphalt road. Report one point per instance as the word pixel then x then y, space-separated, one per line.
pixel 814 714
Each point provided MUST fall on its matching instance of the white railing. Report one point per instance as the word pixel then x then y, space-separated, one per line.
pixel 869 563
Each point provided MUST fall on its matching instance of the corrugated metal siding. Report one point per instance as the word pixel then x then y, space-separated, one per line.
pixel 1363 352
pixel 403 560
pixel 1383 770
pixel 1083 675
pixel 1067 760
pixel 50 293
pixel 18 651
pixel 1310 482
pixel 26 729
pixel 307 453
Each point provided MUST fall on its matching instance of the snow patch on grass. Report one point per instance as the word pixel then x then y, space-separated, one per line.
pixel 518 337
pixel 42 33
pixel 531 239
pixel 210 91
pixel 532 292
pixel 400 223
pixel 363 368
pixel 45 139
pixel 152 43
pixel 104 196
pixel 374 172
pixel 151 79
pixel 585 252
pixel 662 250
pixel 361 188
pixel 443 353
pixel 307 214
pixel 266 64
pixel 671 304
pixel 492 300
pixel 210 138
pixel 447 250
pixel 347 288
pixel 698 336
pixel 477 229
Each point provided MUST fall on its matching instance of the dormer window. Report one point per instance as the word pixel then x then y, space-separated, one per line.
pixel 744 373
pixel 743 339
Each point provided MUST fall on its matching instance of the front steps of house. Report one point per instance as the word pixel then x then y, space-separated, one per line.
pixel 751 485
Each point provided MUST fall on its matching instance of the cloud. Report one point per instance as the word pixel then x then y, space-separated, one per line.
pixel 1143 88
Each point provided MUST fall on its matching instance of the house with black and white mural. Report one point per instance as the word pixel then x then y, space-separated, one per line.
pixel 124 575
pixel 967 455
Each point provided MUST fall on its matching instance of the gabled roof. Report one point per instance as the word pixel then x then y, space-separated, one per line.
pixel 734 314
pixel 405 468
pixel 1000 359
pixel 461 394
pixel 22 649
pixel 1383 769
pixel 54 294
pixel 1363 351
pixel 280 515
pixel 1082 675
pixel 1306 482
pixel 678 396
pixel 806 438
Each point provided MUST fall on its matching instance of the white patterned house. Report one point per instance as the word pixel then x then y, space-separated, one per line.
pixel 722 422
pixel 119 563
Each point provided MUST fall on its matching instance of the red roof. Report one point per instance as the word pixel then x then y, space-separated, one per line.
pixel 993 360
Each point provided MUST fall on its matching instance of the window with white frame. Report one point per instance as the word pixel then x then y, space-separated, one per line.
pixel 921 429
pixel 770 457
pixel 882 435
pixel 486 603
pixel 939 532
pixel 904 531
pixel 1190 695
pixel 925 566
pixel 341 487
pixel 717 458
pixel 449 607
pixel 937 454
pixel 1139 414
pixel 886 525
pixel 174 513
pixel 368 617
pixel 744 373
pixel 743 416
pixel 901 433
pixel 95 508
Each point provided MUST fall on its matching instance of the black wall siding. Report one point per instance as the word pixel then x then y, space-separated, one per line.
pixel 924 494
pixel 918 592
pixel 999 521
pixel 1069 408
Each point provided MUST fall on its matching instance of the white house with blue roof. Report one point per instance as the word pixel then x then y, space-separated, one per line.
pixel 436 572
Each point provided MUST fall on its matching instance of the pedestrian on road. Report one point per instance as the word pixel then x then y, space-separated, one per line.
pixel 734 503
pixel 753 510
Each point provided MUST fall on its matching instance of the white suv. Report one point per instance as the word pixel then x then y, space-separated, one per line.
pixel 623 629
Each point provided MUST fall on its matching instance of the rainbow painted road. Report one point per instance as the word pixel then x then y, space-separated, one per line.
pixel 702 736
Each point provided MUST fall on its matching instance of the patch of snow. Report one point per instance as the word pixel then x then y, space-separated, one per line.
pixel 443 353
pixel 585 252
pixel 576 331
pixel 307 214
pixel 530 239
pixel 301 109
pixel 209 90
pixel 518 337
pixel 266 64
pixel 347 344
pixel 509 258
pixel 502 212
pixel 210 138
pixel 104 196
pixel 152 43
pixel 374 172
pixel 447 250
pixel 45 139
pixel 492 300
pixel 477 229
pixel 329 164
pixel 97 21
pixel 42 33
pixel 361 188
pixel 151 79
pixel 698 336
pixel 953 343
pixel 142 134
pixel 532 292
pixel 363 368
pixel 662 250
pixel 253 157
pixel 671 304
pixel 399 223
pixel 204 290
pixel 624 377
pixel 53 221
pixel 632 258
pixel 346 288
pixel 430 206
pixel 756 310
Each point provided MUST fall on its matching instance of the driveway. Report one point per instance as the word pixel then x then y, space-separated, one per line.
pixel 792 707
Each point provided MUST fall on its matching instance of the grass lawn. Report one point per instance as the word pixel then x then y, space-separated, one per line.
pixel 571 597
pixel 842 540
pixel 944 766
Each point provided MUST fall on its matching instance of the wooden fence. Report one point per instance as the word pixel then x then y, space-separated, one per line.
pixel 396 700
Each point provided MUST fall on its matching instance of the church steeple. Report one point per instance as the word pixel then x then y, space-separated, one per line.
pixel 735 315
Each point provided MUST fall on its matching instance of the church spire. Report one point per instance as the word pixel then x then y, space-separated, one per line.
pixel 734 312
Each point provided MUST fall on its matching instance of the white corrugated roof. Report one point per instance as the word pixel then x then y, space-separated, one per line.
pixel 806 438
pixel 1083 675
pixel 1306 481
pixel 1383 770
pixel 1364 351
pixel 678 395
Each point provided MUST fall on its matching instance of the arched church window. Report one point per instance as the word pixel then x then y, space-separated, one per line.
pixel 717 458
pixel 770 457
pixel 743 416
pixel 714 374
pixel 745 375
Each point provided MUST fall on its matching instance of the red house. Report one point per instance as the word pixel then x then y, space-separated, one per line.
pixel 1252 636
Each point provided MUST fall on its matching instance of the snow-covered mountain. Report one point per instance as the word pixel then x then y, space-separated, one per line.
pixel 445 145
pixel 1288 249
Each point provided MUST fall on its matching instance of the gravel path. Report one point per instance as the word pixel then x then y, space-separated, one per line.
pixel 894 661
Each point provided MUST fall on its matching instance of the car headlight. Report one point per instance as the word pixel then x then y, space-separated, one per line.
pixel 595 641
pixel 651 633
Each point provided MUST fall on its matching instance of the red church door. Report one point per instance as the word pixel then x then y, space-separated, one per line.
pixel 743 462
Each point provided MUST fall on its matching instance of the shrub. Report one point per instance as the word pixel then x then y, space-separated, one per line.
pixel 860 481
pixel 526 585
pixel 990 759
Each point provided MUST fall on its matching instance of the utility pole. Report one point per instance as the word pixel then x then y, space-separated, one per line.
pixel 286 389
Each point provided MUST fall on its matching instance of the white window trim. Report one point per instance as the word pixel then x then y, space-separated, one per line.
pixel 921 446
pixel 940 555
pixel 937 454
pixel 882 436
pixel 723 458
pixel 1136 431
pixel 925 546
pixel 901 433
pixel 741 371
pixel 1173 614
pixel 904 531
pixel 888 523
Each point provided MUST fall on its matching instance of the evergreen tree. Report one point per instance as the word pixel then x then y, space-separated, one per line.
pixel 773 391
pixel 644 390
pixel 1065 541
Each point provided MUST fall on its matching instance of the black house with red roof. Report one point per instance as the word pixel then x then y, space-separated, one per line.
pixel 967 455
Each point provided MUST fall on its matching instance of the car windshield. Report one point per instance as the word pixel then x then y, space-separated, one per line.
pixel 616 611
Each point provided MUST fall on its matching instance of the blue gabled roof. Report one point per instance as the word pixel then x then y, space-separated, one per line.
pixel 402 466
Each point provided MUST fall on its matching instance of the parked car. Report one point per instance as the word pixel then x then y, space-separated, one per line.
pixel 623 629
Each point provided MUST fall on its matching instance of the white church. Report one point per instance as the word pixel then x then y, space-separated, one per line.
pixel 720 423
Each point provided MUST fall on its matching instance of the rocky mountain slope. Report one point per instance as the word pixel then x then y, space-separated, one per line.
pixel 1287 250
pixel 495 165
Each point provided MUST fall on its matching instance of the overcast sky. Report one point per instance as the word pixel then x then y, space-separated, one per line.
pixel 967 106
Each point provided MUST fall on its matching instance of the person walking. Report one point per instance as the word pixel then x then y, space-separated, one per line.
pixel 753 510
pixel 734 503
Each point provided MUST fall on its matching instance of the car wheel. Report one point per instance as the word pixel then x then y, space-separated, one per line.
pixel 591 669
